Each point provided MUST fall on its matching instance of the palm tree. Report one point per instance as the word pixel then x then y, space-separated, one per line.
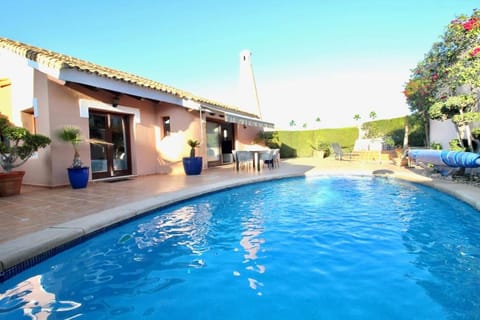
pixel 357 118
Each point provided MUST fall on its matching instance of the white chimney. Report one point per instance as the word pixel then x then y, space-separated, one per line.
pixel 248 94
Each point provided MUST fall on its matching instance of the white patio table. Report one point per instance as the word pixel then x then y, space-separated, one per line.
pixel 255 152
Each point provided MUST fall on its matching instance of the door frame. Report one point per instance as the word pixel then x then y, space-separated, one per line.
pixel 221 140
pixel 110 153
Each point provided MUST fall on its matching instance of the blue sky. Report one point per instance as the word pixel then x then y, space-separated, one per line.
pixel 327 58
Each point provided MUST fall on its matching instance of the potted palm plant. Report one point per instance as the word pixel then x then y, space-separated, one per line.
pixel 192 165
pixel 77 173
pixel 17 145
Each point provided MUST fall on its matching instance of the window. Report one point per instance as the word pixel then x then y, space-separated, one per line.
pixel 166 126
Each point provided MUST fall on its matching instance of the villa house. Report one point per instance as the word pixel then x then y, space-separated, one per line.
pixel 146 123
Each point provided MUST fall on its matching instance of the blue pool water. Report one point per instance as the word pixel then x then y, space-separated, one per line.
pixel 314 248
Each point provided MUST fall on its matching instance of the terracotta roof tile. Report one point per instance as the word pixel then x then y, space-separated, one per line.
pixel 60 61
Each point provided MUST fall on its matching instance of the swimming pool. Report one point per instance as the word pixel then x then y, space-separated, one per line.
pixel 303 248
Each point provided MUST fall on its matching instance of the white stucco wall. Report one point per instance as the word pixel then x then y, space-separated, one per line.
pixel 442 132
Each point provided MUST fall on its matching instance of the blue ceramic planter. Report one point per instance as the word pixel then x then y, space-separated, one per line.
pixel 192 166
pixel 78 177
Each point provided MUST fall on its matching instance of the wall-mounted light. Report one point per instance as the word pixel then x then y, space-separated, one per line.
pixel 115 101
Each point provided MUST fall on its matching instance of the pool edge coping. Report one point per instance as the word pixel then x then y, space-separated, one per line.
pixel 23 252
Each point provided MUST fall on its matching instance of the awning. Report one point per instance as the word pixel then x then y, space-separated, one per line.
pixel 247 121
pixel 237 118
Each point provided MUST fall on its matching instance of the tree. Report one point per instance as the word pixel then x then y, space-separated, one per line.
pixel 461 86
pixel 357 118
pixel 419 92
pixel 459 110
pixel 450 71
pixel 292 123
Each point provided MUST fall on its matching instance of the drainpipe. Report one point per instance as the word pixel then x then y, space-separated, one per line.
pixel 203 147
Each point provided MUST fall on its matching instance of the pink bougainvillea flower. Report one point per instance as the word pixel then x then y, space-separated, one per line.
pixel 475 51
pixel 471 23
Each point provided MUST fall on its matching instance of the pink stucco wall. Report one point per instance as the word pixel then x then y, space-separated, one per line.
pixel 184 125
pixel 57 106
pixel 39 169
pixel 246 137
pixel 152 152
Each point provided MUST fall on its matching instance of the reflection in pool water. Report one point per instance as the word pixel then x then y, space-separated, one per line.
pixel 34 300
pixel 325 247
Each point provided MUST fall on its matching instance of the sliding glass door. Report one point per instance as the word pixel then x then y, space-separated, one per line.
pixel 213 142
pixel 219 143
pixel 109 147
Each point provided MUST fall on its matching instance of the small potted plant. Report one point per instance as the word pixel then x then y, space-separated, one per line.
pixel 192 165
pixel 77 173
pixel 17 145
pixel 400 159
pixel 320 150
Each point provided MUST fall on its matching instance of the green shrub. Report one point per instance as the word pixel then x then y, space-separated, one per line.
pixel 476 133
pixel 455 145
pixel 435 146
pixel 322 146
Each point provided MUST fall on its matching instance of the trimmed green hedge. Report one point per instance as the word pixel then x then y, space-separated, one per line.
pixel 299 143
pixel 294 144
pixel 395 129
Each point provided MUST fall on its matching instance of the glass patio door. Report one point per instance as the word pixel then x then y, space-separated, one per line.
pixel 213 142
pixel 109 149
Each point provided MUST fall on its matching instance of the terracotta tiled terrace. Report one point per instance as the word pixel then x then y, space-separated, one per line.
pixel 40 219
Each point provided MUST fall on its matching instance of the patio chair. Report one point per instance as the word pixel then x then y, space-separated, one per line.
pixel 243 160
pixel 339 154
pixel 276 158
pixel 266 157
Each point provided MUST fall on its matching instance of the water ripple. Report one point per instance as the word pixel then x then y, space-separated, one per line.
pixel 315 248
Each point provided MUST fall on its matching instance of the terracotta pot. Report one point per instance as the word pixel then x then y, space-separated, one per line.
pixel 11 183
pixel 317 154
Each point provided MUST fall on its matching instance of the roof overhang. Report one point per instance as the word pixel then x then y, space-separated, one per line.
pixel 80 77
pixel 247 121
pixel 243 119
pixel 67 70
